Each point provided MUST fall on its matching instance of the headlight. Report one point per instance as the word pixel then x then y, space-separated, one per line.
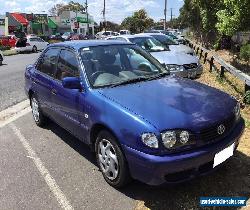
pixel 172 67
pixel 169 139
pixel 150 140
pixel 184 137
pixel 237 111
pixel 177 138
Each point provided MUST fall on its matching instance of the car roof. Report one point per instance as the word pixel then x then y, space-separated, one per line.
pixel 78 44
pixel 152 34
pixel 134 36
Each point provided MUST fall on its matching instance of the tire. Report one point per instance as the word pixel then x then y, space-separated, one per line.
pixel 34 49
pixel 1 60
pixel 111 160
pixel 37 114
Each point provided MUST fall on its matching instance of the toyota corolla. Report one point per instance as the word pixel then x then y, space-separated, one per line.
pixel 141 122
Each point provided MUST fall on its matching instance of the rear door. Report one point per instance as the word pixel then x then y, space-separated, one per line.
pixel 43 79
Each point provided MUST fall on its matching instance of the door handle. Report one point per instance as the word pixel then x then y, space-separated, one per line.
pixel 53 91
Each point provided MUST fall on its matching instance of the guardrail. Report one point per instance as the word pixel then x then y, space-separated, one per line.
pixel 203 53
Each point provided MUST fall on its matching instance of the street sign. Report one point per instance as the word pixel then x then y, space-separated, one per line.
pixel 40 18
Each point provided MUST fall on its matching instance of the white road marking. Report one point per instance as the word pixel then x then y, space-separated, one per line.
pixel 14 112
pixel 61 198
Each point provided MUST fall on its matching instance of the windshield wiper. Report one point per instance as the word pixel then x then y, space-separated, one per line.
pixel 158 76
pixel 138 79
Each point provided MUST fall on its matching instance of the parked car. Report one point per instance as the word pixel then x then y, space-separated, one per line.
pixel 77 37
pixel 9 40
pixel 173 45
pixel 66 36
pixel 1 57
pixel 31 44
pixel 104 34
pixel 175 36
pixel 140 121
pixel 180 64
pixel 123 32
pixel 56 37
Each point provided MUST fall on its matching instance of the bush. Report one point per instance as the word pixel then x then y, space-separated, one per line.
pixel 247 97
pixel 245 52
pixel 4 47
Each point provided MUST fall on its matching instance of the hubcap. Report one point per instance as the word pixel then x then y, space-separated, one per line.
pixel 35 109
pixel 108 159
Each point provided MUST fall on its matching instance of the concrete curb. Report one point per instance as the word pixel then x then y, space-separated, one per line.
pixel 10 52
pixel 12 113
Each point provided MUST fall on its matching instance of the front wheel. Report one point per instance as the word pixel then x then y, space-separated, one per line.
pixel 38 116
pixel 111 160
pixel 34 49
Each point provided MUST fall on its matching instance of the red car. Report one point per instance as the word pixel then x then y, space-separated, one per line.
pixel 8 40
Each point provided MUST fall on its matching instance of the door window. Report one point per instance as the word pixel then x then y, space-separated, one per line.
pixel 48 62
pixel 67 65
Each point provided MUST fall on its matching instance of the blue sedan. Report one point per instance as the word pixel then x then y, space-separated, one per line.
pixel 141 122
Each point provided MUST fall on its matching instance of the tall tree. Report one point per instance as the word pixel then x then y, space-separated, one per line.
pixel 138 22
pixel 71 6
pixel 234 17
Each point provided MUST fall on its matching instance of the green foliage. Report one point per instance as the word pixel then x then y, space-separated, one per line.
pixel 138 22
pixel 247 97
pixel 245 52
pixel 4 47
pixel 71 6
pixel 235 16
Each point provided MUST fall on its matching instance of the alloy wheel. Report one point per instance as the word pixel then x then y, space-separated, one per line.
pixel 108 159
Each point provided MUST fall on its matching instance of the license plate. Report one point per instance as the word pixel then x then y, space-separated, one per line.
pixel 223 155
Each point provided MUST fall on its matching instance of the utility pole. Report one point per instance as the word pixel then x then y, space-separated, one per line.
pixel 165 15
pixel 86 6
pixel 104 14
pixel 171 15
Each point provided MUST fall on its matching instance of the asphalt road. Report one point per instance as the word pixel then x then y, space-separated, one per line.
pixel 12 78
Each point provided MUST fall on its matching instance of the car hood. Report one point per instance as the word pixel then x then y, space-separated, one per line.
pixel 180 48
pixel 173 102
pixel 169 57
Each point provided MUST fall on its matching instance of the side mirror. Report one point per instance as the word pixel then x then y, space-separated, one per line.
pixel 72 83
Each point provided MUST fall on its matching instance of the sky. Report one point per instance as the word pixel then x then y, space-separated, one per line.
pixel 116 10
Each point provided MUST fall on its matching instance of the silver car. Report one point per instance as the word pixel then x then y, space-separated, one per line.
pixel 180 64
pixel 173 45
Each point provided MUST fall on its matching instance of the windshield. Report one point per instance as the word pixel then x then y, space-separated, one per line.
pixel 117 64
pixel 165 39
pixel 148 43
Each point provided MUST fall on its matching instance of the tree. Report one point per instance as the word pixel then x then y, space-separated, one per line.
pixel 71 6
pixel 234 17
pixel 138 22
pixel 56 10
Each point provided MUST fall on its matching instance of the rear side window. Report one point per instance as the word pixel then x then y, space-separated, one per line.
pixel 48 62
pixel 67 65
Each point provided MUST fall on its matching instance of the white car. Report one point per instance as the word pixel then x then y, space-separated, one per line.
pixel 32 44
pixel 104 34
pixel 1 57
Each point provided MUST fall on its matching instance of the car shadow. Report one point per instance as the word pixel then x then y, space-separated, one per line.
pixel 80 147
pixel 232 179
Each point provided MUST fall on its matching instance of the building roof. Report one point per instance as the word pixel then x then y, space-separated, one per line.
pixel 21 19
pixel 89 43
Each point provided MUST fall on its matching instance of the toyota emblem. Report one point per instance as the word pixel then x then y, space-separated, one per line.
pixel 221 129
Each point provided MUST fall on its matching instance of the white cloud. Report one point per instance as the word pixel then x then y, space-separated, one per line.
pixel 116 10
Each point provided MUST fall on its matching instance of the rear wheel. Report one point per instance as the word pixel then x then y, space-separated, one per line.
pixel 1 60
pixel 34 49
pixel 38 116
pixel 111 160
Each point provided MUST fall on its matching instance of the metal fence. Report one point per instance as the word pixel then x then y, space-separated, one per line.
pixel 213 60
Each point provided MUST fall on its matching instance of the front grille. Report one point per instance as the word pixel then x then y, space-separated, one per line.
pixel 190 66
pixel 210 134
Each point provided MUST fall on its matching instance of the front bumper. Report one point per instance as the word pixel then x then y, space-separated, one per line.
pixel 174 168
pixel 189 73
